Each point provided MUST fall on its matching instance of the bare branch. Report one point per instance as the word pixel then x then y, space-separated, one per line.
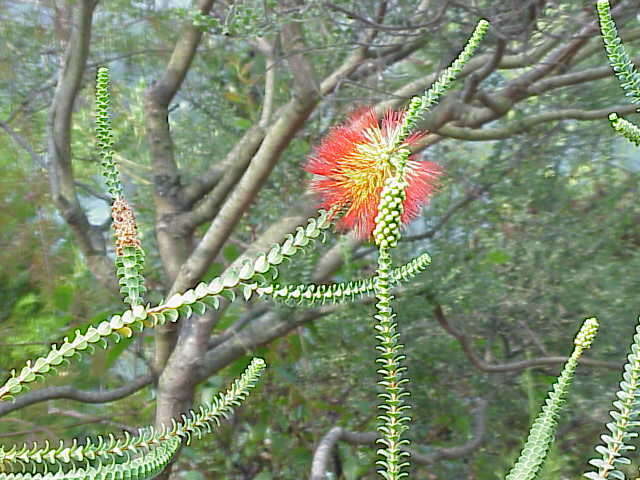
pixel 68 392
pixel 168 192
pixel 232 168
pixel 174 248
pixel 595 45
pixel 471 86
pixel 225 175
pixel 573 78
pixel 322 454
pixel 269 82
pixel 523 125
pixel 480 364
pixel 201 185
pixel 93 192
pixel 558 57
pixel 238 202
pixel 334 258
pixel 479 435
pixel 248 145
pixel 33 428
pixel 58 157
pixel 290 119
pixel 304 78
pixel 375 24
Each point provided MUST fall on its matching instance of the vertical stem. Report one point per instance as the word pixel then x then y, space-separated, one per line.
pixel 392 422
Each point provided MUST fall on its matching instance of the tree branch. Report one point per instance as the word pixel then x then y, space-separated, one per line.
pixel 322 454
pixel 175 387
pixel 269 81
pixel 240 156
pixel 86 418
pixel 168 192
pixel 481 365
pixel 289 121
pixel 573 78
pixel 232 167
pixel 522 125
pixel 58 157
pixel 68 392
pixel 173 248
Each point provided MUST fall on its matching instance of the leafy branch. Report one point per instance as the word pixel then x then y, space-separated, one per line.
pixel 623 68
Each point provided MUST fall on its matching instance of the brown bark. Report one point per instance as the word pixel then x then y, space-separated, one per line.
pixel 59 155
pixel 166 177
pixel 174 247
pixel 175 388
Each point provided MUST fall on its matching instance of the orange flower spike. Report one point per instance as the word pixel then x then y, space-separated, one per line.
pixel 356 159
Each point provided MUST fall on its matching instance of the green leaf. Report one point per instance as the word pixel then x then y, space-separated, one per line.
pixel 171 315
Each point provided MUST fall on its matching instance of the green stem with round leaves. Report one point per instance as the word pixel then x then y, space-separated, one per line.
pixel 393 421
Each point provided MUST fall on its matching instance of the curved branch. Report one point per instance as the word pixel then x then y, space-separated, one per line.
pixel 271 326
pixel 58 156
pixel 175 386
pixel 34 428
pixel 573 78
pixel 182 56
pixel 480 364
pixel 522 125
pixel 627 34
pixel 478 437
pixel 166 177
pixel 322 454
pixel 477 64
pixel 88 419
pixel 471 86
pixel 499 103
pixel 168 195
pixel 389 28
pixel 334 257
pixel 291 119
pixel 269 81
pixel 561 56
pixel 225 175
pixel 68 392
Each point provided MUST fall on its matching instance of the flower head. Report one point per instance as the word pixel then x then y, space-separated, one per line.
pixel 354 161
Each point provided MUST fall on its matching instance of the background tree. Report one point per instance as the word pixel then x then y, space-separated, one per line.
pixel 218 105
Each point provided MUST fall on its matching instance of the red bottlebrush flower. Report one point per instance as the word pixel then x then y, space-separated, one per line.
pixel 353 163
